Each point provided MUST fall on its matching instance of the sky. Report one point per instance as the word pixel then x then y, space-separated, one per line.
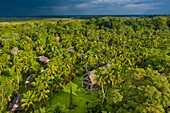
pixel 83 7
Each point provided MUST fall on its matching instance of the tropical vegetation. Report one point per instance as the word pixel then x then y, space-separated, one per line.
pixel 137 48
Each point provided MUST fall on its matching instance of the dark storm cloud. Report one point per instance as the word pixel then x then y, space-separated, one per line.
pixel 65 7
pixel 20 7
pixel 37 7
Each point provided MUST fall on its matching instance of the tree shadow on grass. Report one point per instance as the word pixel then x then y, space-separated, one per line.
pixel 80 97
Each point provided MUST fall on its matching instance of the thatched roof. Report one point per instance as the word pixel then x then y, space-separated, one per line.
pixel 71 50
pixel 16 104
pixel 44 59
pixel 92 74
pixel 14 51
pixel 29 80
pixel 106 66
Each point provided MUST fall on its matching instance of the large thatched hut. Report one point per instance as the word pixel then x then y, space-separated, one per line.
pixel 89 79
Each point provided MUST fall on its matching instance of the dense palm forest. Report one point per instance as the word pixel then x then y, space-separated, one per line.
pixel 138 49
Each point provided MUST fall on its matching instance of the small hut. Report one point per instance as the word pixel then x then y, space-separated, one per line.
pixel 71 50
pixel 89 80
pixel 43 59
pixel 28 82
pixel 16 105
pixel 106 66
pixel 14 51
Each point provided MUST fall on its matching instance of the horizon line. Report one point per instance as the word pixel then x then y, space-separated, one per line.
pixel 87 15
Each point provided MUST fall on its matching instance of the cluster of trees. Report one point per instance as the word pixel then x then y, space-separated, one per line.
pixel 138 48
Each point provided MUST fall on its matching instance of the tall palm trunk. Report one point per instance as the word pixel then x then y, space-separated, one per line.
pixel 71 99
pixel 18 80
pixel 17 77
pixel 103 93
pixel 86 67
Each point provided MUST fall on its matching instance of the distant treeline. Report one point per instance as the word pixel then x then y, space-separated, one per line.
pixel 17 18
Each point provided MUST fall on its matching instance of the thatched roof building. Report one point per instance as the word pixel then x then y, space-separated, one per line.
pixel 28 82
pixel 16 105
pixel 89 80
pixel 43 59
pixel 71 50
pixel 14 51
pixel 91 76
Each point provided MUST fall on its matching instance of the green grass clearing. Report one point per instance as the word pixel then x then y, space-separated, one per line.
pixel 80 97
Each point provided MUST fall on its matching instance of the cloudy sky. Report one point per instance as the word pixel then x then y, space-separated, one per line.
pixel 82 7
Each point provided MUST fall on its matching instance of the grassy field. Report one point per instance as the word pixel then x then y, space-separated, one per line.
pixel 14 21
pixel 80 97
